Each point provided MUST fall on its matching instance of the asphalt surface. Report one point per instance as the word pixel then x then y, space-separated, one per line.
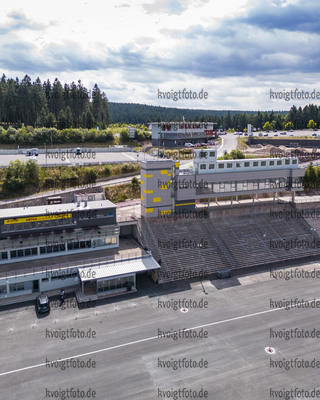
pixel 130 355
pixel 69 159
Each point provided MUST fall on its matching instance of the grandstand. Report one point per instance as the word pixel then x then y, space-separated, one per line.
pixel 235 239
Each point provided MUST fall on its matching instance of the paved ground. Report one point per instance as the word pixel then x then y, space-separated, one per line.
pixel 71 159
pixel 130 356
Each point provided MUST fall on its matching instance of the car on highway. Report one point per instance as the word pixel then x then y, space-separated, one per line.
pixel 189 145
pixel 42 304
pixel 266 134
pixel 32 152
pixel 78 151
pixel 275 134
pixel 291 130
pixel 260 134
pixel 315 129
pixel 283 133
pixel 291 134
pixel 275 130
pixel 314 134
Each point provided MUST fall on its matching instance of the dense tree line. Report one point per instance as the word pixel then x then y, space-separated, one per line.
pixel 30 136
pixel 139 113
pixel 52 105
pixel 62 106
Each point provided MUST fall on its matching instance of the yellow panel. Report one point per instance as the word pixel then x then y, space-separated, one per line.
pixel 156 199
pixel 165 212
pixel 142 198
pixel 141 182
pixel 148 191
pixel 148 176
pixel 177 164
pixel 169 174
pixel 38 218
pixel 163 187
pixel 164 172
pixel 149 210
pixel 185 204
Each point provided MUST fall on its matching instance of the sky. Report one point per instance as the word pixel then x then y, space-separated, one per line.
pixel 225 55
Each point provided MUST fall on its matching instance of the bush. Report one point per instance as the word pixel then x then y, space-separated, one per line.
pixel 106 170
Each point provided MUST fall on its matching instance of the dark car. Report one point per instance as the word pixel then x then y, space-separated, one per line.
pixel 42 304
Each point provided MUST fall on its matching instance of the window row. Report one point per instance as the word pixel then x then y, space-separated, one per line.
pixel 224 187
pixel 248 164
pixel 56 248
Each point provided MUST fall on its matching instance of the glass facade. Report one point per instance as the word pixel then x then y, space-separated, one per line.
pixel 115 283
pixel 250 185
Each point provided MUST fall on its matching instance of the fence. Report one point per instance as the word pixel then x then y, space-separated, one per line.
pixel 83 149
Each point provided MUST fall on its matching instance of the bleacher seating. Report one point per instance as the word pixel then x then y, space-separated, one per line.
pixel 233 241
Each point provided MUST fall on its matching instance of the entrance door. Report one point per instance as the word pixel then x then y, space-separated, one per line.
pixel 35 286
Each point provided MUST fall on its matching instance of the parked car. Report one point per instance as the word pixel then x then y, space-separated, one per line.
pixel 78 151
pixel 42 304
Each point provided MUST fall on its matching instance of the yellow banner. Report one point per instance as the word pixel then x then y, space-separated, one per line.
pixel 36 219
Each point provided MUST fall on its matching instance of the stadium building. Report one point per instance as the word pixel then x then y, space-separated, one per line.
pixel 78 246
pixel 167 189
pixel 177 134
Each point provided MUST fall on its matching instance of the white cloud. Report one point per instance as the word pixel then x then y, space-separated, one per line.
pixel 232 49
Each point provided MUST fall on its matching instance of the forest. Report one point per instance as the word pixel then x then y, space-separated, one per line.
pixel 61 106
pixel 52 105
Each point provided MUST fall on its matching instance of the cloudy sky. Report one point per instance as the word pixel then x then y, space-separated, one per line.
pixel 243 53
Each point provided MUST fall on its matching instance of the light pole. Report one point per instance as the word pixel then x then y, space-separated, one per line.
pixel 313 233
pixel 54 183
pixel 265 248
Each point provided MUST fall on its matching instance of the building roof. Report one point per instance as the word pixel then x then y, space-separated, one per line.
pixel 118 268
pixel 54 208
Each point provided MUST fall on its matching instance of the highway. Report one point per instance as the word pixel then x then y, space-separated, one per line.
pixel 133 361
pixel 70 159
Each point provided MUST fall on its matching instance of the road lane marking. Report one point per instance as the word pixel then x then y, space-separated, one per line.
pixel 148 339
